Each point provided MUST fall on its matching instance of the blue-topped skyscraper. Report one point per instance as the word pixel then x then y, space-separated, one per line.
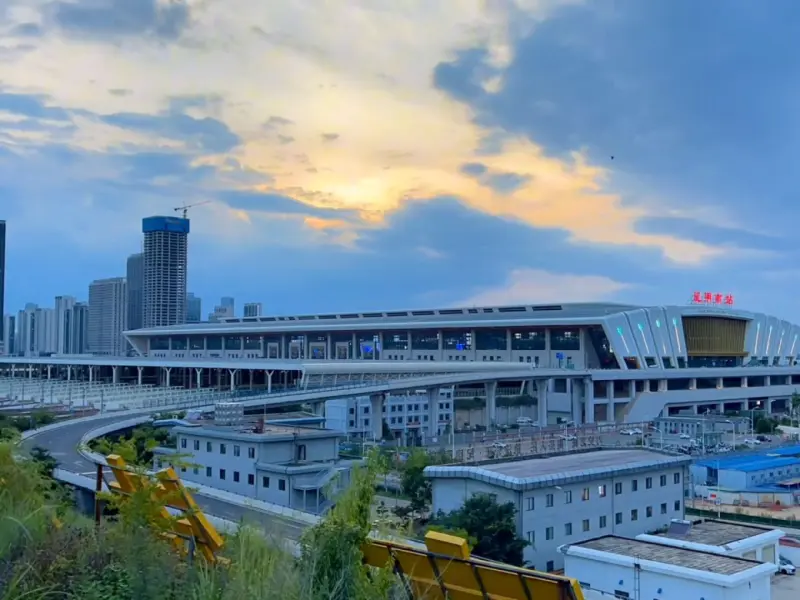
pixel 166 241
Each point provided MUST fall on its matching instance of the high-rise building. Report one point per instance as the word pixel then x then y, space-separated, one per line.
pixel 64 305
pixel 2 275
pixel 224 310
pixel 107 304
pixel 79 338
pixel 166 242
pixel 229 303
pixel 9 335
pixel 252 309
pixel 135 282
pixel 36 331
pixel 194 308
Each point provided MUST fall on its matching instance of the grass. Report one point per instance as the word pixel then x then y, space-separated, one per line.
pixel 123 560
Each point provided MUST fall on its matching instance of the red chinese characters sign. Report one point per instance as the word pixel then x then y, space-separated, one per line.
pixel 712 298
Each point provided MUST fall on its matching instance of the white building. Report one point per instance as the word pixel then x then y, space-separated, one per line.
pixel 612 566
pixel 63 315
pixel 107 312
pixel 36 331
pixel 293 466
pixel 406 415
pixel 721 537
pixel 166 259
pixel 571 497
pixel 639 361
pixel 252 309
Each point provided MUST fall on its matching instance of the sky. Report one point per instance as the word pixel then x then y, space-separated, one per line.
pixel 379 154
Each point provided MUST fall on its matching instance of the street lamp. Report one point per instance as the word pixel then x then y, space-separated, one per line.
pixel 661 432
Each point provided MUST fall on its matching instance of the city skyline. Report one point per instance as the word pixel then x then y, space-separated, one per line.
pixel 508 152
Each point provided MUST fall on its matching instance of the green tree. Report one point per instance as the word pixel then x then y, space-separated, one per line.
pixel 490 525
pixel 795 404
pixel 386 431
pixel 413 481
pixel 764 425
pixel 44 459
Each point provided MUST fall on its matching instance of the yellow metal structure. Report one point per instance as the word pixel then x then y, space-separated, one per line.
pixel 447 571
pixel 192 528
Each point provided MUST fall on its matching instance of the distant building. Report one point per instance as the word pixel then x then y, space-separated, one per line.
pixel 63 316
pixel 567 498
pixel 36 331
pixel 79 338
pixel 166 249
pixel 224 310
pixel 135 291
pixel 9 335
pixel 194 308
pixel 252 309
pixel 292 466
pixel 107 307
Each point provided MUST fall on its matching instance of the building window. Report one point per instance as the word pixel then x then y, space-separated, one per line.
pixel 223 449
pixel 567 496
pixel 265 482
pixel 251 452
pixel 618 488
pixel 251 479
pixel 549 500
pixel 677 505
pixel 529 503
pixel 183 442
pixel 208 471
pixel 603 522
pixel 195 470
pixel 634 514
pixel 301 452
pixel 601 491
pixel 676 478
pixel 586 525
pixel 237 451
pixel 634 485
pixel 208 447
pixel 548 533
pixel 663 508
pixel 567 528
pixel 282 485
pixel 649 512
pixel 662 480
pixel 648 483
pixel 222 474
pixel 550 566
pixel 197 445
pixel 585 494
pixel 618 518
pixel 236 476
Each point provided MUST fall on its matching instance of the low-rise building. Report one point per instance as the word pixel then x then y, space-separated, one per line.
pixel 289 465
pixel 721 537
pixel 619 567
pixel 575 496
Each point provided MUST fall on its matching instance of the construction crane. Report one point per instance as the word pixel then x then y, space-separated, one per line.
pixel 185 208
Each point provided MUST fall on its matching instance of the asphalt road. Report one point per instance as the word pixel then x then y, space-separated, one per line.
pixel 62 443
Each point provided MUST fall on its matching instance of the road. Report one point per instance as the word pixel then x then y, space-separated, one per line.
pixel 62 443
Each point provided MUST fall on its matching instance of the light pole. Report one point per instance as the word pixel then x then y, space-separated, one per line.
pixel 734 432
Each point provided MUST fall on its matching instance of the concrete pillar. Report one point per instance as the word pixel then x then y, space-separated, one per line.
pixel 48 371
pixel 139 376
pixel 542 386
pixel 198 377
pixel 250 373
pixel 168 373
pixel 114 374
pixel 69 373
pixel 30 371
pixel 491 402
pixel 91 374
pixel 744 382
pixel 319 410
pixel 376 415
pixel 269 381
pixel 588 400
pixel 433 411
pixel 719 383
pixel 232 373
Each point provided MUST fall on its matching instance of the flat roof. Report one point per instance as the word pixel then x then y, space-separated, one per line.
pixel 697 560
pixel 717 533
pixel 556 469
pixel 748 464
pixel 244 433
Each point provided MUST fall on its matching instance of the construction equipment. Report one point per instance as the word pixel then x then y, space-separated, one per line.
pixel 445 570
pixel 185 208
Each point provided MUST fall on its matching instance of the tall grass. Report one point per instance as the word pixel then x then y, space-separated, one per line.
pixel 123 560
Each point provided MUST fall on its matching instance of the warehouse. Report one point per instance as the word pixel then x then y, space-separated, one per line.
pixel 753 480
pixel 565 498
pixel 613 566
pixel 721 537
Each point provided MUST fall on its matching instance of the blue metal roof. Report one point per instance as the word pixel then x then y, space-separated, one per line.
pixel 788 451
pixel 749 464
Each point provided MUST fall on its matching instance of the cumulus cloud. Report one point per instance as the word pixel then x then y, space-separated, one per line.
pixel 534 286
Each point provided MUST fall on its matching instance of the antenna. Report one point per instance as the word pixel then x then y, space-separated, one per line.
pixel 185 208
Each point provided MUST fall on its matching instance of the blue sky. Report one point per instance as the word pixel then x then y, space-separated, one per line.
pixel 389 154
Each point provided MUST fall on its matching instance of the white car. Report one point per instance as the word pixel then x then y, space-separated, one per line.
pixel 636 431
pixel 685 436
pixel 786 567
pixel 568 437
pixel 524 421
pixel 499 445
pixel 627 432
pixel 752 442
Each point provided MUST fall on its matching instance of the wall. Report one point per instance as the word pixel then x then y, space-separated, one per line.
pixel 605 577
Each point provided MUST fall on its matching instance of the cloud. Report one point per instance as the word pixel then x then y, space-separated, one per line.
pixel 330 137
pixel 122 18
pixel 535 286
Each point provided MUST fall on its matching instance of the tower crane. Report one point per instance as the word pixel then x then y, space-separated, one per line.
pixel 185 208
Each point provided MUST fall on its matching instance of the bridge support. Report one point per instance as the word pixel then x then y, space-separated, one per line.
pixel 433 412
pixel 376 415
pixel 232 373
pixel 269 381
pixel 139 376
pixel 491 402
pixel 167 375
pixel 198 377
pixel 114 374
pixel 91 373
pixel 542 386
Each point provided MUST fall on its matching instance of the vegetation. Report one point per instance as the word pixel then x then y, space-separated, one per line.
pixel 124 559
pixel 12 426
pixel 137 446
pixel 413 482
pixel 489 527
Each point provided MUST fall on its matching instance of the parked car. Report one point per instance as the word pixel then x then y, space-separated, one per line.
pixel 499 445
pixel 685 436
pixel 524 421
pixel 785 566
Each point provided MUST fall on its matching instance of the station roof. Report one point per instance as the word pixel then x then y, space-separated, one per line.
pixel 716 533
pixel 749 464
pixel 558 469
pixel 696 560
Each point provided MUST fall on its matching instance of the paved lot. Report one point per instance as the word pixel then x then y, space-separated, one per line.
pixel 785 587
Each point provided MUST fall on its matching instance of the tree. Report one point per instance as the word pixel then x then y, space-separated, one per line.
pixel 490 525
pixel 413 481
pixel 44 459
pixel 386 431
pixel 795 405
